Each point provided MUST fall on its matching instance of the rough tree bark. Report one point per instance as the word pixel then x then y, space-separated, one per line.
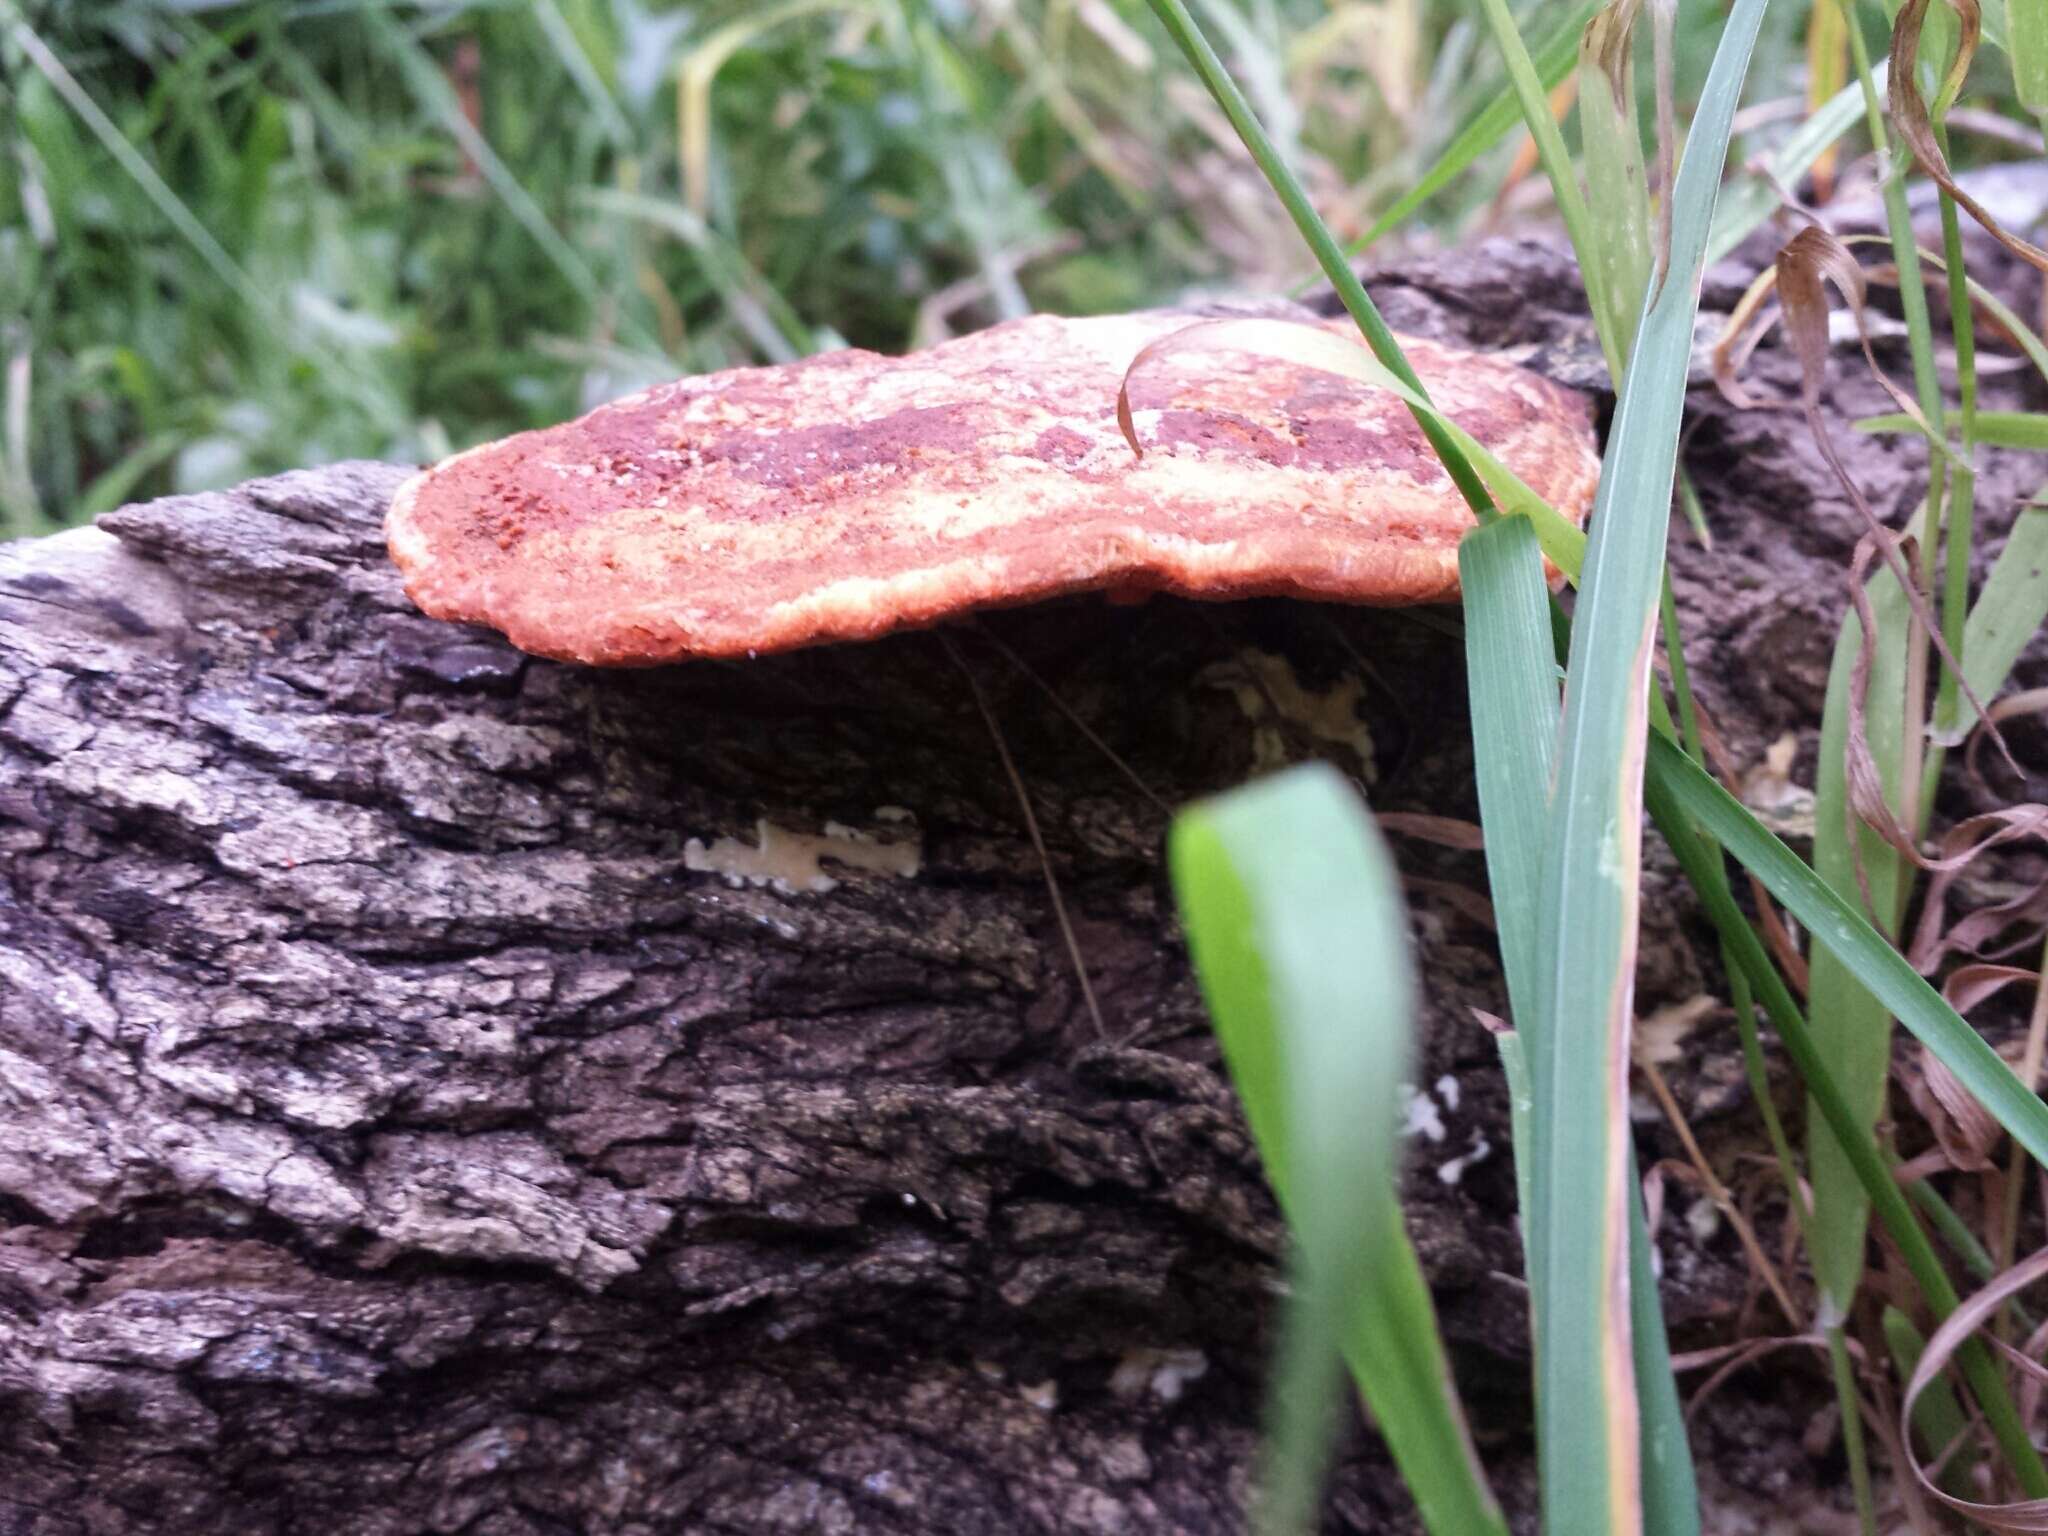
pixel 408 1128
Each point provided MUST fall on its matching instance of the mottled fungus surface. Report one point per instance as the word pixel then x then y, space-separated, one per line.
pixel 850 495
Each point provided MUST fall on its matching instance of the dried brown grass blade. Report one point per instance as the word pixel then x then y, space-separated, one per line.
pixel 1052 884
pixel 1909 111
pixel 1964 1129
pixel 1808 263
pixel 1969 985
pixel 1762 1269
pixel 1738 1356
pixel 1747 324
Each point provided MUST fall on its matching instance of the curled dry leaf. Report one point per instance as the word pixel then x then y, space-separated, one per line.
pixel 1747 324
pixel 2029 701
pixel 2021 1517
pixel 1608 43
pixel 1963 843
pixel 1916 125
pixel 1964 1128
pixel 1969 985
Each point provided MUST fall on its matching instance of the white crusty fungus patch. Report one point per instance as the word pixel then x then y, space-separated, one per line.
pixel 1453 1172
pixel 1767 789
pixel 792 862
pixel 1660 1036
pixel 1263 683
pixel 1042 1395
pixel 1703 1220
pixel 1419 1114
pixel 1166 1373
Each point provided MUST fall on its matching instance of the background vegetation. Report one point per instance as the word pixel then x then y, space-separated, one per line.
pixel 238 238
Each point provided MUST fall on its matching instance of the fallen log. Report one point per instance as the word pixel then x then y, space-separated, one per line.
pixel 446 1090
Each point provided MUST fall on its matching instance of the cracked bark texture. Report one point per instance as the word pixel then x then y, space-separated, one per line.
pixel 401 1131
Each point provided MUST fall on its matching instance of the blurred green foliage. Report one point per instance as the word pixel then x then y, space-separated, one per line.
pixel 237 238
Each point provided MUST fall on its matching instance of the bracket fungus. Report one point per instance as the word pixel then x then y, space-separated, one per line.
pixel 850 495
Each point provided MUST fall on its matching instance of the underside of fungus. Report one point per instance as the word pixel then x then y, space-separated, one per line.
pixel 849 495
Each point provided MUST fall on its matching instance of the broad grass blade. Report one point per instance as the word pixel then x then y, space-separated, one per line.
pixel 1617 187
pixel 1299 936
pixel 1851 1027
pixel 1512 683
pixel 1671 1495
pixel 1592 1477
pixel 1938 1419
pixel 2027 43
pixel 2009 611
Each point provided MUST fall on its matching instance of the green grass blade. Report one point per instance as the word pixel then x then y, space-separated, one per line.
pixel 604 106
pixel 1592 870
pixel 291 337
pixel 2027 45
pixel 1852 1026
pixel 1750 199
pixel 1553 61
pixel 1996 32
pixel 2017 331
pixel 1671 1495
pixel 1299 938
pixel 1938 1419
pixel 756 307
pixel 1840 928
pixel 1514 1066
pixel 1512 681
pixel 1557 166
pixel 1617 187
pixel 1676 791
pixel 1173 15
pixel 433 92
pixel 1998 429
pixel 2009 611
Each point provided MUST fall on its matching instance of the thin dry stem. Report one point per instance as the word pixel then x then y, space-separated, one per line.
pixel 1052 884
